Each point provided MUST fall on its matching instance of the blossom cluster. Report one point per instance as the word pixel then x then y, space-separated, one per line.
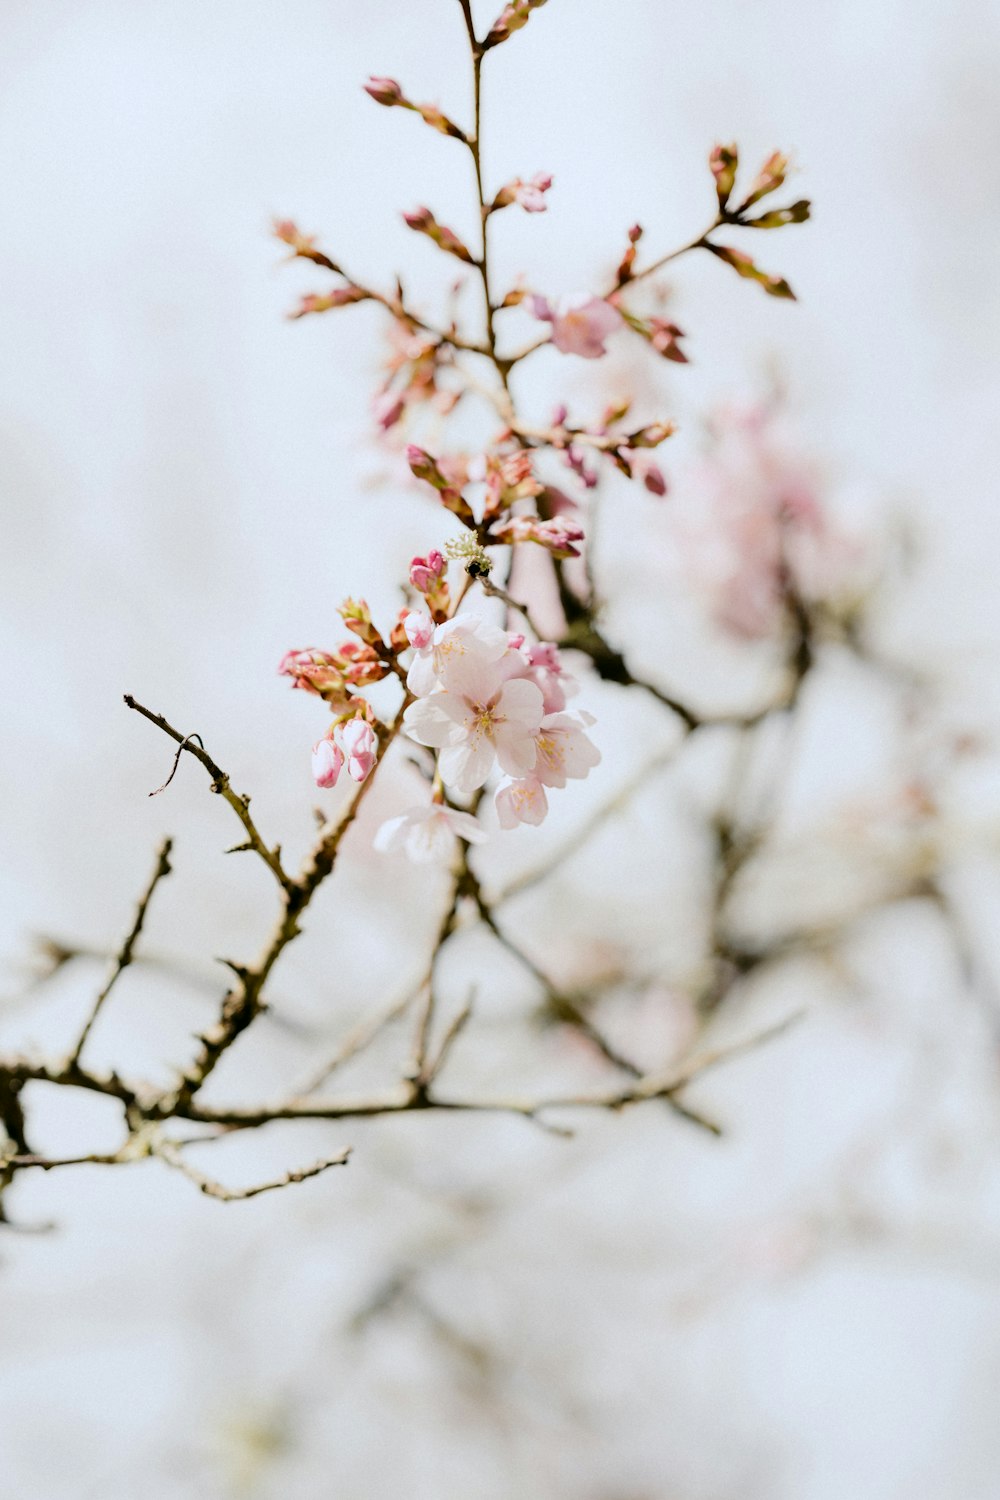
pixel 488 702
pixel 486 698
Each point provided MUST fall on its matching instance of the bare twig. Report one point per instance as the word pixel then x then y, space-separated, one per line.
pixel 220 785
pixel 124 956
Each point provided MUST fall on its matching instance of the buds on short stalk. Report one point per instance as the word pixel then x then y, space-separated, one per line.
pixel 724 161
pixel 327 762
pixel 388 92
pixel 511 19
pixel 423 222
pixel 558 536
pixel 426 468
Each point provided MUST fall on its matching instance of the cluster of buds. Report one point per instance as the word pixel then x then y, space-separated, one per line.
pixel 724 164
pixel 428 575
pixel 412 375
pixel 350 742
pixel 332 675
pixel 557 535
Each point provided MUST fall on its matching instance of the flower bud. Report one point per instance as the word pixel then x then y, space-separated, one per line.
pixel 359 743
pixel 425 571
pixel 385 91
pixel 327 762
pixel 419 628
pixel 724 161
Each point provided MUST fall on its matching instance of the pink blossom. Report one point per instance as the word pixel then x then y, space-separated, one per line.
pixel 419 629
pixel 461 650
pixel 529 195
pixel 564 751
pixel 547 672
pixel 327 762
pixel 755 526
pixel 427 834
pixel 424 571
pixel 359 743
pixel 482 722
pixel 522 801
pixel 580 323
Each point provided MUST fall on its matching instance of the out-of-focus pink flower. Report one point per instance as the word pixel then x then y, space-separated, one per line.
pixel 424 571
pixel 480 724
pixel 546 671
pixel 529 195
pixel 564 751
pixel 359 743
pixel 754 526
pixel 290 234
pixel 522 801
pixel 427 834
pixel 327 762
pixel 580 323
pixel 419 628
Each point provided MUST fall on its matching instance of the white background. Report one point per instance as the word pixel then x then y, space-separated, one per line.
pixel 189 487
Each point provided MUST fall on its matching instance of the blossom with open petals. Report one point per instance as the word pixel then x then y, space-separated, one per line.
pixel 427 834
pixel 564 751
pixel 522 801
pixel 478 724
pixel 457 654
pixel 580 323
pixel 546 670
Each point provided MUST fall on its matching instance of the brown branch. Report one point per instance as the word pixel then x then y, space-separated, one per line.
pixel 220 785
pixel 170 1153
pixel 124 957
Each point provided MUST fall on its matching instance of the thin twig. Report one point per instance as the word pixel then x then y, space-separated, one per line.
pixel 169 1152
pixel 220 785
pixel 124 956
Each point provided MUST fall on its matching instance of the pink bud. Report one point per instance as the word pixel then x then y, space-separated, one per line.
pixel 654 481
pixel 327 762
pixel 360 746
pixel 424 571
pixel 384 91
pixel 419 628
pixel 388 408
